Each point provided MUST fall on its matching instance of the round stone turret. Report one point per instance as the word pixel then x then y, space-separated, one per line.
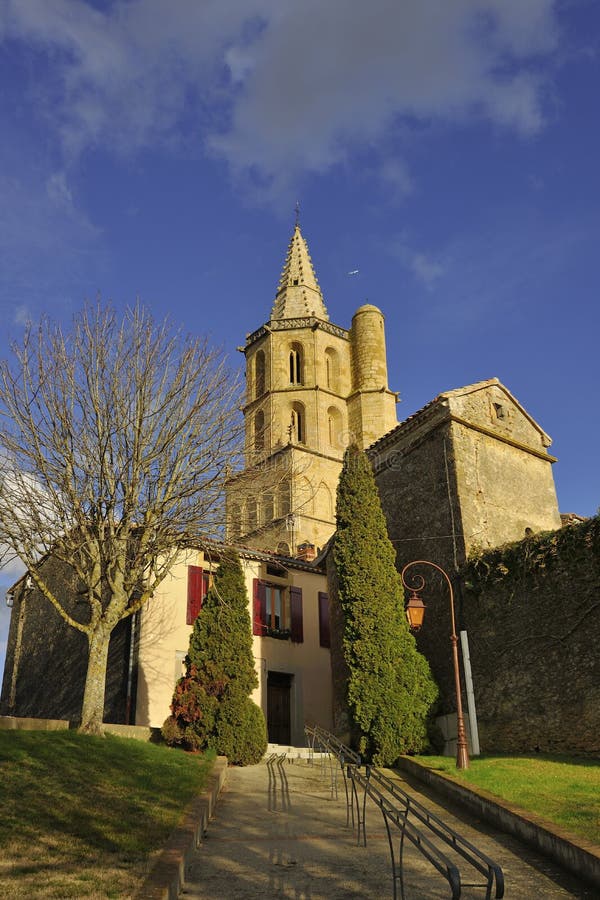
pixel 367 336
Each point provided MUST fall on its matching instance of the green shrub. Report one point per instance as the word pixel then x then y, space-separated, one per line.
pixel 193 713
pixel 211 705
pixel 390 689
pixel 241 732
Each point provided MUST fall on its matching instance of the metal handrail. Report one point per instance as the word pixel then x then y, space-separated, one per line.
pixel 472 855
pixel 396 805
pixel 332 745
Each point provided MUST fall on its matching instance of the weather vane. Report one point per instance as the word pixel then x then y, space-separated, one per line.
pixel 297 213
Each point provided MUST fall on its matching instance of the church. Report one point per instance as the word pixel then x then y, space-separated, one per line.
pixel 312 388
pixel 470 470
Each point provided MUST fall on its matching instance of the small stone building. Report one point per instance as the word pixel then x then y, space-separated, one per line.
pixel 468 471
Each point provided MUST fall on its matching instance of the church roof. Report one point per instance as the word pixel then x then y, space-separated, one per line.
pixel 441 401
pixel 298 292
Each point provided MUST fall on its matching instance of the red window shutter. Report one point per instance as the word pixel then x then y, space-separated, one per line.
pixel 259 606
pixel 194 594
pixel 297 631
pixel 324 632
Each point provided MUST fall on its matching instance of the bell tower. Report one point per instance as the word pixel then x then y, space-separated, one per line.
pixel 311 389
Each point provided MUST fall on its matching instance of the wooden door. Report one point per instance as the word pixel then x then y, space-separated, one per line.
pixel 279 688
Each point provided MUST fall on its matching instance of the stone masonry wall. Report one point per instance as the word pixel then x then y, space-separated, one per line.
pixel 415 477
pixel 532 612
pixel 46 659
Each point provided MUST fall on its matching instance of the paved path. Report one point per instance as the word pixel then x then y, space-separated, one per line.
pixel 279 833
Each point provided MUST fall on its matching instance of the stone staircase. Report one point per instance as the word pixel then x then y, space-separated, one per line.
pixel 292 752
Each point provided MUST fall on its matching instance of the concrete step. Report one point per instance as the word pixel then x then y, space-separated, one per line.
pixel 292 752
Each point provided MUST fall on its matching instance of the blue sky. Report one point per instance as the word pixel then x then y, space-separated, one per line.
pixel 449 152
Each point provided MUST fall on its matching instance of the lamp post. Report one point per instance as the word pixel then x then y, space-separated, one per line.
pixel 415 611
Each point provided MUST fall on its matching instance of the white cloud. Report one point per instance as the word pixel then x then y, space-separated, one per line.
pixel 423 266
pixel 293 86
pixel 426 269
pixel 22 315
pixel 395 174
pixel 124 75
pixel 329 77
pixel 59 192
pixel 46 240
pixel 498 272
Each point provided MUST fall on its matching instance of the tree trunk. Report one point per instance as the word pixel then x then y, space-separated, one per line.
pixel 92 710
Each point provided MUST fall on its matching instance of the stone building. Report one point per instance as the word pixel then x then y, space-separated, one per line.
pixel 468 471
pixel 312 387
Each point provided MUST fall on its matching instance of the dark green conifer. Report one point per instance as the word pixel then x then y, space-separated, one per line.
pixel 390 688
pixel 211 705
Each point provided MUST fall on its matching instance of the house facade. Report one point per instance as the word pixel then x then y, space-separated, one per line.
pixel 289 609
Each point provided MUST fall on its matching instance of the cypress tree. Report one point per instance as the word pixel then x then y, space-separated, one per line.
pixel 390 689
pixel 211 706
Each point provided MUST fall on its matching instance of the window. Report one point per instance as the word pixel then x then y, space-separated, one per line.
pixel 268 508
pixel 235 521
pixel 284 498
pixel 259 374
pixel 259 430
pixel 277 611
pixel 198 583
pixel 331 369
pixel 335 428
pixel 252 513
pixel 296 364
pixel 499 410
pixel 297 423
pixel 324 629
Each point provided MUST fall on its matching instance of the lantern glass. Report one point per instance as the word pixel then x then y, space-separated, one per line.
pixel 415 612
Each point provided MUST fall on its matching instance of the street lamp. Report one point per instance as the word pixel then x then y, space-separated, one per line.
pixel 415 611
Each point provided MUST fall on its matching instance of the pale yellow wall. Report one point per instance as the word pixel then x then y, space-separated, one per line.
pixel 164 639
pixel 307 662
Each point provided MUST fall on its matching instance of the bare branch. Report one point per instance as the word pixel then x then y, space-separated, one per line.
pixel 115 441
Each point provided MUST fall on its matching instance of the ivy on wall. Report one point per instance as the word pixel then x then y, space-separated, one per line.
pixel 566 549
pixel 532 610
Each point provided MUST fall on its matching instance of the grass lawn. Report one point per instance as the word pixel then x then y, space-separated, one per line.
pixel 563 790
pixel 82 816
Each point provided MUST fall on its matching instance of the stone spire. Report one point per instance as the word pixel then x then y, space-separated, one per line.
pixel 298 292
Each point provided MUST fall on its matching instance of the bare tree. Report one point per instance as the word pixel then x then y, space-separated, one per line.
pixel 115 439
